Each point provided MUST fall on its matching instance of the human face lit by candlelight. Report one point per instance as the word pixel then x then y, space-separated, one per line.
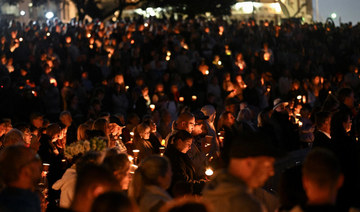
pixel 146 134
pixel 183 145
pixel 262 169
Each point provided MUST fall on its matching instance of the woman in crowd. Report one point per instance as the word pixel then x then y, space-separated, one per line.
pixel 141 141
pixel 184 176
pixel 149 184
pixel 119 165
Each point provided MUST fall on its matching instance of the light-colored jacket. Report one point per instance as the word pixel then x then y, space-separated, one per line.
pixel 154 197
pixel 226 193
pixel 67 186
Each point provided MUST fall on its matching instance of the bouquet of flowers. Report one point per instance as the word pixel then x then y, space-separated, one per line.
pixel 81 147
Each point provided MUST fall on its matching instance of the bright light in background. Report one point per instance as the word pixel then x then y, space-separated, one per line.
pixel 22 12
pixel 49 15
pixel 333 15
pixel 30 4
pixel 248 7
pixel 276 7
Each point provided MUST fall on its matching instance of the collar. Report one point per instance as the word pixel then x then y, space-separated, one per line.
pixel 325 133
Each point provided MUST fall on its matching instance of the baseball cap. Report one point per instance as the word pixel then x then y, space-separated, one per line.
pixel 199 115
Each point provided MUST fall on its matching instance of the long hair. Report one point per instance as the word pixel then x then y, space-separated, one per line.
pixel 148 173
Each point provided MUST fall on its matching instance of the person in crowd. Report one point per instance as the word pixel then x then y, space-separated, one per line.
pixel 14 136
pixel 66 119
pixel 185 121
pixel 322 179
pixel 322 135
pixel 37 123
pixel 155 137
pixel 92 181
pixel 347 150
pixel 113 201
pixel 68 181
pixel 81 131
pixel 20 172
pixel 119 165
pixel 251 164
pixel 149 184
pixel 141 141
pixel 183 169
pixel 199 147
pixel 210 111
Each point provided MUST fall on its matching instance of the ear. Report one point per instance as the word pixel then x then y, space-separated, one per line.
pixel 305 183
pixel 99 189
pixel 340 181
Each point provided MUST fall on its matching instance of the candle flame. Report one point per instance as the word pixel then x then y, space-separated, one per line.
pixel 209 172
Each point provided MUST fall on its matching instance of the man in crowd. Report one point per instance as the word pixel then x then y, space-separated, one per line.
pixel 20 172
pixel 185 121
pixel 321 178
pixel 323 131
pixel 251 164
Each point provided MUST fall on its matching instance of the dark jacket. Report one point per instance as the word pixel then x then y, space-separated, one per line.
pixel 183 169
pixel 321 140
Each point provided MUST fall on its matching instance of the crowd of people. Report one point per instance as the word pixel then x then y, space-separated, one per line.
pixel 179 115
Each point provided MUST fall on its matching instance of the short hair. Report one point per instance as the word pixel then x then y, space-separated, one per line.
pixel 64 113
pixel 321 167
pixel 115 162
pixel 100 124
pixel 185 116
pixel 112 202
pixel 14 136
pixel 150 169
pixel 343 93
pixel 182 135
pixel 321 117
pixel 53 129
pixel 92 175
pixel 12 160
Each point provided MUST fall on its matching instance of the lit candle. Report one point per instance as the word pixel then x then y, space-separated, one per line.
pixel 132 134
pixel 21 39
pixel 136 153
pixel 299 97
pixel 300 124
pixel 304 99
pixel 53 81
pixel 167 58
pixel 152 107
pixel 266 56
pixel 131 159
pixel 132 41
pixel 181 99
pixel 207 72
pixel 268 89
pixel 127 87
pixel 262 81
pixel 168 53
pixel 48 34
pixel 162 150
pixel 194 98
pixel 88 35
pixel 163 142
pixel 209 172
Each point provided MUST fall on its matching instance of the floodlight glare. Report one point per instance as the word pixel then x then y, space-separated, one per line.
pixel 333 15
pixel 49 15
pixel 22 12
